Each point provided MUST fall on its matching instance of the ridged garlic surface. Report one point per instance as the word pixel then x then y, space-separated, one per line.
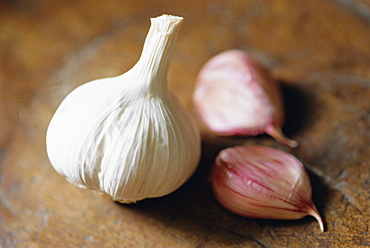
pixel 128 137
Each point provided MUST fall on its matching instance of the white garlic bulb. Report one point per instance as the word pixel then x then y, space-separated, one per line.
pixel 128 137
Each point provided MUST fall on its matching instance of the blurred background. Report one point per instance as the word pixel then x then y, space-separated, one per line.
pixel 319 50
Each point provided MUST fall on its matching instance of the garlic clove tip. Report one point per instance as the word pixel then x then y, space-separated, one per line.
pixel 278 135
pixel 314 213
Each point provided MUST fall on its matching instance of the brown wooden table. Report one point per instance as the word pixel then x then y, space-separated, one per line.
pixel 320 52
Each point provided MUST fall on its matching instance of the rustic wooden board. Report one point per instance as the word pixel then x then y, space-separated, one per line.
pixel 320 52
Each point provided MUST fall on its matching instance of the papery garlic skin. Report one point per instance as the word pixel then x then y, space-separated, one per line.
pixel 262 182
pixel 128 137
pixel 234 95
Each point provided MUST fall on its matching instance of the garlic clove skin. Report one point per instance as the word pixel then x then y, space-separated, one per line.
pixel 128 137
pixel 234 95
pixel 262 182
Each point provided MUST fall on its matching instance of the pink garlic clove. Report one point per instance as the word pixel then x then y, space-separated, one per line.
pixel 262 182
pixel 234 95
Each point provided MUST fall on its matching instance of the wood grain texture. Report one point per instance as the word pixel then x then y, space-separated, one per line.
pixel 318 50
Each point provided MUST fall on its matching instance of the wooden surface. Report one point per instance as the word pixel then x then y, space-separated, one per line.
pixel 319 50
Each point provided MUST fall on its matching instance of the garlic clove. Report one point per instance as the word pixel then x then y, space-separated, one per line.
pixel 234 95
pixel 128 137
pixel 262 182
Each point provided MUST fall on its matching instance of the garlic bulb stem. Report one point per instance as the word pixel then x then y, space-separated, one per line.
pixel 157 51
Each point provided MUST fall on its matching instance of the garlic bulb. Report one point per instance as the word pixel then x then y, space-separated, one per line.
pixel 128 137
pixel 262 182
pixel 234 95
